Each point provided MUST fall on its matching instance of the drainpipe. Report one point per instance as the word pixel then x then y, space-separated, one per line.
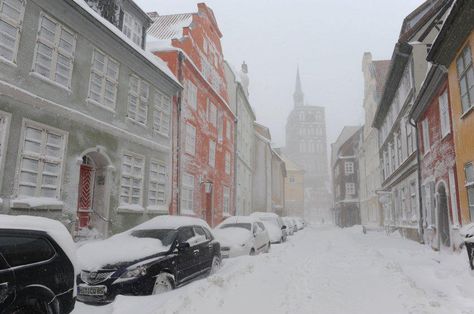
pixel 236 119
pixel 418 169
pixel 178 135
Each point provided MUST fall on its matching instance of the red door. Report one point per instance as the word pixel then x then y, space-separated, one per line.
pixel 86 186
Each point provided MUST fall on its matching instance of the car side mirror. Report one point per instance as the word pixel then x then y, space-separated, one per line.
pixel 183 245
pixel 254 233
pixel 283 227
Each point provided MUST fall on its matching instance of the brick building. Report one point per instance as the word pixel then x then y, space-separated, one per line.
pixel 203 132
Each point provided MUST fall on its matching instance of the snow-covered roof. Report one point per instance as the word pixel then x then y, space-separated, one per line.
pixel 170 26
pixel 53 228
pixel 157 62
pixel 171 222
pixel 264 214
pixel 240 219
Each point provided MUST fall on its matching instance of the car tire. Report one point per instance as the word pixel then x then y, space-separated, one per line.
pixel 32 306
pixel 252 252
pixel 163 283
pixel 216 264
pixel 268 247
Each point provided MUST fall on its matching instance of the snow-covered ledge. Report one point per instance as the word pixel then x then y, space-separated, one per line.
pixel 40 203
pixel 157 210
pixel 130 209
pixel 187 212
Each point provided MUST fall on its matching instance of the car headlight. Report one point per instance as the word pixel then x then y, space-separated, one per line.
pixel 135 272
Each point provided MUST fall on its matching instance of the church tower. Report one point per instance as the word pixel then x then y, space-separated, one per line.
pixel 306 146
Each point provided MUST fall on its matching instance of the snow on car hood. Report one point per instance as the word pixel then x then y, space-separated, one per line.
pixel 117 249
pixel 232 236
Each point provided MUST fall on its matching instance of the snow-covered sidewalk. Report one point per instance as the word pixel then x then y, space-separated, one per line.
pixel 322 269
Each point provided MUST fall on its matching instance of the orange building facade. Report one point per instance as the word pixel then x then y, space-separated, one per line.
pixel 203 123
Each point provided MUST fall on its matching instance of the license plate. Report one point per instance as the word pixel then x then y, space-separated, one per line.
pixel 92 290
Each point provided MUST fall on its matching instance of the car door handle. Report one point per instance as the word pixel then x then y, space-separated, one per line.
pixel 196 251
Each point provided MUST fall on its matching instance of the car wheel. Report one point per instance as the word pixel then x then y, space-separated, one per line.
pixel 32 306
pixel 252 252
pixel 268 247
pixel 216 264
pixel 163 283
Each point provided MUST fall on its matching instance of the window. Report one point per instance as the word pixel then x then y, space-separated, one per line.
pixel 162 114
pixel 413 200
pixel 25 250
pixel 226 198
pixel 185 233
pixel 466 78
pixel 104 80
pixel 41 159
pixel 132 29
pixel 399 149
pixel 138 94
pixel 190 94
pixel 403 194
pixel 211 113
pixel 292 179
pixel 212 153
pixel 187 193
pixel 426 135
pixel 227 163
pixel 132 179
pixel 348 167
pixel 55 47
pixel 350 189
pixel 429 209
pixel 4 123
pixel 444 114
pixel 228 129
pixel 469 172
pixel 410 139
pixel 190 139
pixel 157 184
pixel 11 16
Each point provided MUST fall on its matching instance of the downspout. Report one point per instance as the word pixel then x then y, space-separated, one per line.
pixel 418 169
pixel 178 135
pixel 235 151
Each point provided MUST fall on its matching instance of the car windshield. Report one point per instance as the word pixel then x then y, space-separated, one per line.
pixel 166 236
pixel 237 225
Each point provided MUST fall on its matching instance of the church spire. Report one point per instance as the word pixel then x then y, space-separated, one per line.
pixel 298 96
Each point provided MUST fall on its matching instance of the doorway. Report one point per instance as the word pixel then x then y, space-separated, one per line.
pixel 443 216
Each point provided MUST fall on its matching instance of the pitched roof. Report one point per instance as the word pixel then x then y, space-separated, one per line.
pixel 381 71
pixel 170 26
pixel 346 133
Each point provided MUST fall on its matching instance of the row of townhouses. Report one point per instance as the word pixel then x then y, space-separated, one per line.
pixel 110 116
pixel 413 157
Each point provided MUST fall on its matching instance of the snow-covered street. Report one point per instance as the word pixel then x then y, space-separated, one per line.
pixel 322 269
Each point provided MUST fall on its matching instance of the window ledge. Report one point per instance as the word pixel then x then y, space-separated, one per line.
pixel 134 122
pixel 225 215
pixel 160 209
pixel 98 104
pixel 39 203
pixel 130 209
pixel 465 114
pixel 51 82
pixel 187 212
pixel 8 62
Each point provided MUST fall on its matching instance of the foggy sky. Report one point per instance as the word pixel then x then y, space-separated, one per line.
pixel 326 38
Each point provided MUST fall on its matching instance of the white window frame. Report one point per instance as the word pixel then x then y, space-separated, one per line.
pixel 17 24
pixel 226 200
pixel 5 119
pixel 426 135
pixel 228 129
pixel 211 113
pixel 190 94
pixel 157 182
pixel 132 28
pixel 227 163
pixel 187 192
pixel 136 161
pixel 348 167
pixel 350 188
pixel 105 77
pixel 56 51
pixel 444 114
pixel 41 158
pixel 463 78
pixel 190 146
pixel 212 153
pixel 140 113
pixel 162 114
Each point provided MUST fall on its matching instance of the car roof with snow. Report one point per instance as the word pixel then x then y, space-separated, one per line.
pixel 264 214
pixel 241 219
pixel 171 222
pixel 53 228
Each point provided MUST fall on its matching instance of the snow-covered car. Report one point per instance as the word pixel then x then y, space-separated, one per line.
pixel 37 266
pixel 274 225
pixel 154 257
pixel 299 223
pixel 242 235
pixel 290 227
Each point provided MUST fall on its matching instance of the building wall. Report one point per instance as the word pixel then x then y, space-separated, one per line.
pixel 103 134
pixel 278 175
pixel 463 125
pixel 294 193
pixel 262 175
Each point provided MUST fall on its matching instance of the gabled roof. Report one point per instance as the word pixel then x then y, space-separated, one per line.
pixel 291 165
pixel 170 26
pixel 346 133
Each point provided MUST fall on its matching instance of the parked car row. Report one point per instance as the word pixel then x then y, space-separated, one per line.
pixel 39 271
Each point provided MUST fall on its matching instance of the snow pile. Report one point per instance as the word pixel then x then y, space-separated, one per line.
pixel 52 227
pixel 120 248
pixel 36 202
pixel 171 222
pixel 232 236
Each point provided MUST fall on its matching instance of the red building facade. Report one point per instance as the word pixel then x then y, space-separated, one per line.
pixel 437 162
pixel 203 123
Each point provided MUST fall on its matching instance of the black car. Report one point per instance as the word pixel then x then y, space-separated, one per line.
pixel 36 275
pixel 187 251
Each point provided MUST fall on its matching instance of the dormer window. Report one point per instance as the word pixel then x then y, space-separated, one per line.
pixel 132 28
